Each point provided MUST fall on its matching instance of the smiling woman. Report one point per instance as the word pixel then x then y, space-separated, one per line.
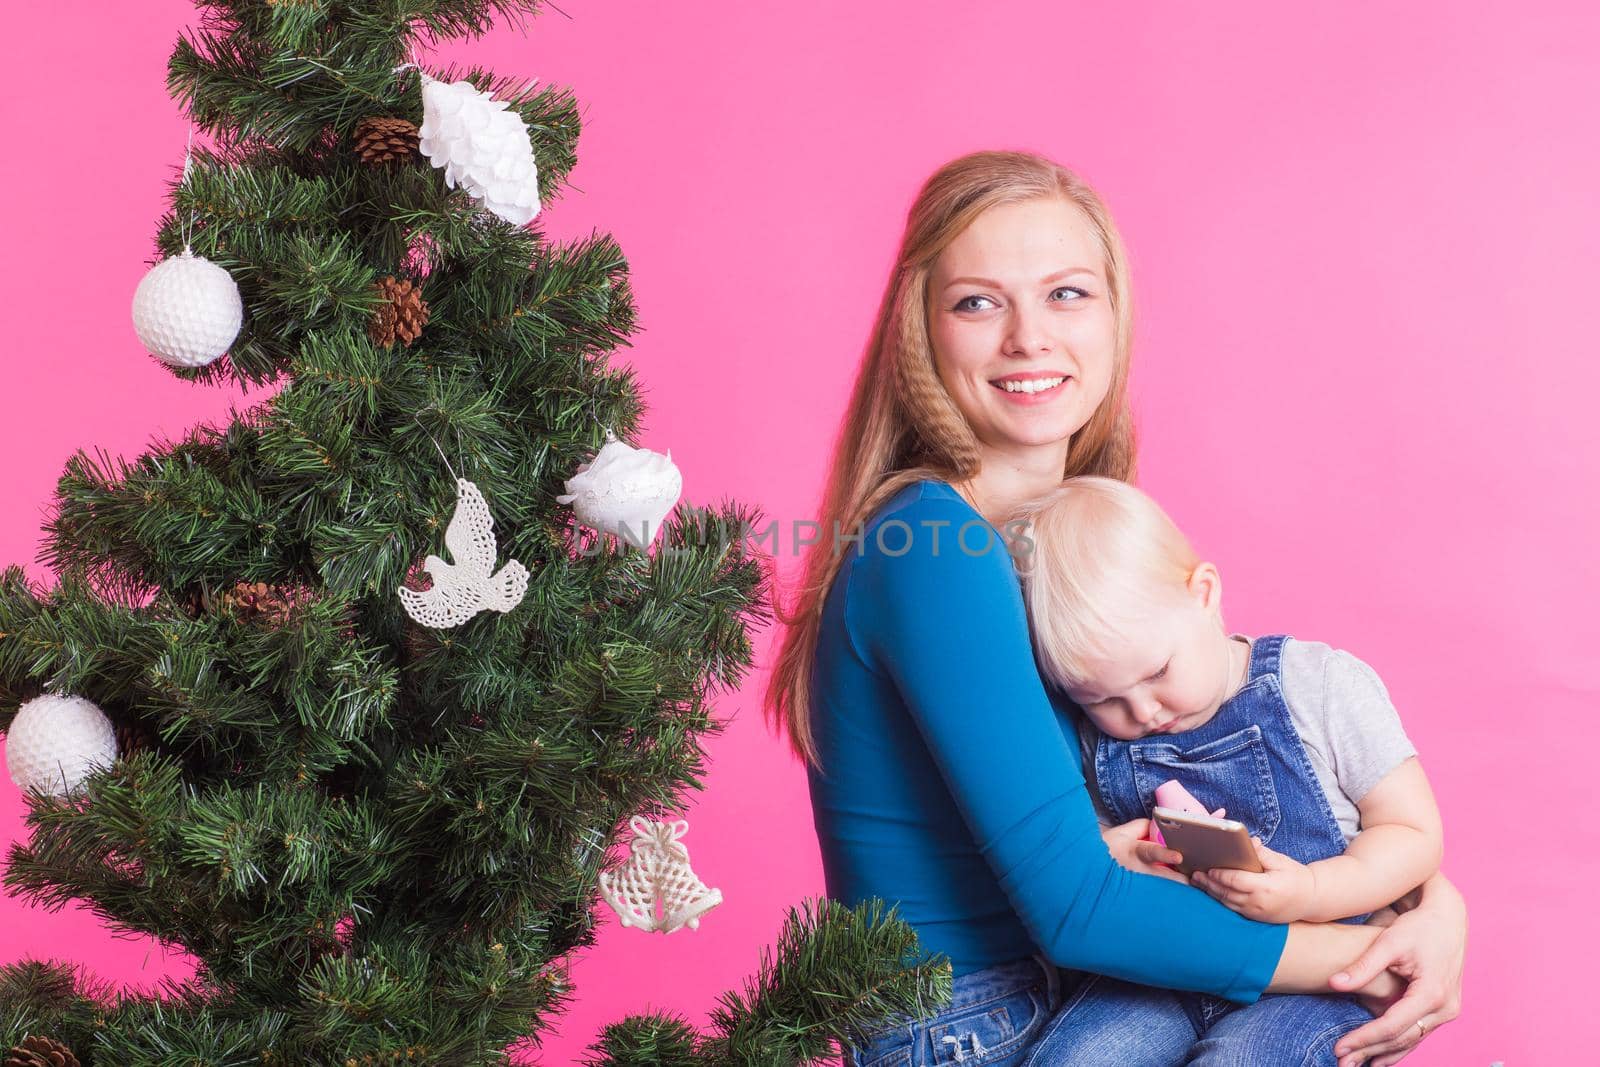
pixel 944 777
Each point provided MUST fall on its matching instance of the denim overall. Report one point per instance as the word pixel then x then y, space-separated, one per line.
pixel 1250 760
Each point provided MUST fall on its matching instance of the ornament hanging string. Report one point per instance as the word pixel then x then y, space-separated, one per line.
pixel 186 225
pixel 429 436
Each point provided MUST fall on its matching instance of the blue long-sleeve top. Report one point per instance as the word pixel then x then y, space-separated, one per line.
pixel 951 781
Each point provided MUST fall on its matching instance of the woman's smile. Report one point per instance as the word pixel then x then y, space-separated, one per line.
pixel 1032 387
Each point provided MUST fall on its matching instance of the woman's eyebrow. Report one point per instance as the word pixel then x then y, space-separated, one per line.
pixel 1042 281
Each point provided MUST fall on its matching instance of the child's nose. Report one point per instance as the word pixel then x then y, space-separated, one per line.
pixel 1146 711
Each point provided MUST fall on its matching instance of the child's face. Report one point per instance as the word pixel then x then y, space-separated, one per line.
pixel 1170 675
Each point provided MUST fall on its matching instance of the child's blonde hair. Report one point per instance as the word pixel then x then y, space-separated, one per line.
pixel 1103 559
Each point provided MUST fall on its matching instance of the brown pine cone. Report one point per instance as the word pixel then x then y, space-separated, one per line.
pixel 402 317
pixel 250 601
pixel 384 140
pixel 133 736
pixel 39 1051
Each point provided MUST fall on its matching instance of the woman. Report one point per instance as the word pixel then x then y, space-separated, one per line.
pixel 942 773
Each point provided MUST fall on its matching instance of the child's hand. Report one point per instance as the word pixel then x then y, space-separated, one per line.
pixel 1128 847
pixel 1282 894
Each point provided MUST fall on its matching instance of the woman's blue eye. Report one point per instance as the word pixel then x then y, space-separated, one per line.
pixel 1058 289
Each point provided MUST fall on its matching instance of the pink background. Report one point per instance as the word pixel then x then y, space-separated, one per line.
pixel 1364 249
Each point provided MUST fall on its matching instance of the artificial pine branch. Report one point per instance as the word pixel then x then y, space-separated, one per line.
pixel 380 841
pixel 835 972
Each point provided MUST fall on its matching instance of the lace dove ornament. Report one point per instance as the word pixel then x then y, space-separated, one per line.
pixel 658 873
pixel 624 491
pixel 470 584
pixel 482 146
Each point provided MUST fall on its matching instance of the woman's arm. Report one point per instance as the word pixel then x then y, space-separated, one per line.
pixel 1315 952
pixel 947 625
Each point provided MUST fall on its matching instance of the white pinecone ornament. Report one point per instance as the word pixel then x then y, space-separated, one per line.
pixel 56 741
pixel 658 876
pixel 624 491
pixel 482 146
pixel 187 310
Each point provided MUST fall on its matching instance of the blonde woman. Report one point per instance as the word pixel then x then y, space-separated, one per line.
pixel 944 776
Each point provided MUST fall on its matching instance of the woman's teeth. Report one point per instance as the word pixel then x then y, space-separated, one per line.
pixel 1033 385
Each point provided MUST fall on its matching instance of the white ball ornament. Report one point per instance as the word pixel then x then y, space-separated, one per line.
pixel 482 146
pixel 56 741
pixel 624 491
pixel 187 310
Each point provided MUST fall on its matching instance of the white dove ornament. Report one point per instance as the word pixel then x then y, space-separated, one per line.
pixel 470 584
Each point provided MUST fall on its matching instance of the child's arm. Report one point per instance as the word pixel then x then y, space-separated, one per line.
pixel 1399 847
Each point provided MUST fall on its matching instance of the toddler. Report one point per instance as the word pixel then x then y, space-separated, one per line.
pixel 1295 739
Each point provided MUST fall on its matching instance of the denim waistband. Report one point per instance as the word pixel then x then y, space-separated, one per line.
pixel 1034 972
pixel 1001 978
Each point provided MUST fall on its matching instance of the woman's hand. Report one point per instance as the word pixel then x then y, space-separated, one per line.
pixel 1427 947
pixel 1128 847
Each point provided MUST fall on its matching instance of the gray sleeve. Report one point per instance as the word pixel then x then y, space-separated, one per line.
pixel 1362 730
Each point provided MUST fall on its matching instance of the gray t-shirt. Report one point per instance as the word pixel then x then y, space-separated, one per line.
pixel 1341 709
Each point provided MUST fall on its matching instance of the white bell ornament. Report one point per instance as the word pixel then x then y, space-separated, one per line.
pixel 624 491
pixel 656 889
pixel 482 146
pixel 56 741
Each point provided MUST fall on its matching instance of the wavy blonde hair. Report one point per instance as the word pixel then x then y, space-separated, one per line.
pixel 901 424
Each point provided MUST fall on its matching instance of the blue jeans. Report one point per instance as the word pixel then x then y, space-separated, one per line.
pixel 1114 1022
pixel 992 1020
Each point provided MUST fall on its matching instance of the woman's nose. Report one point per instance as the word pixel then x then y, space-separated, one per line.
pixel 1028 335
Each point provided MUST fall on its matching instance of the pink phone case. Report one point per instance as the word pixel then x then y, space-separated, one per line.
pixel 1172 794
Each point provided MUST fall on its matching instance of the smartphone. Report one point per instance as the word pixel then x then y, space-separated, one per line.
pixel 1206 841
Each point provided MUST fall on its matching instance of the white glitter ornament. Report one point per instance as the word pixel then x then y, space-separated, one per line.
pixel 187 310
pixel 56 741
pixel 469 585
pixel 658 875
pixel 624 491
pixel 482 146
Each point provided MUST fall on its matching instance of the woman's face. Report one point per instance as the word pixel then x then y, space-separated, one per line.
pixel 1020 297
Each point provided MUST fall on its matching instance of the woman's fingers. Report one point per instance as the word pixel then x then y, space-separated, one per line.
pixel 1152 853
pixel 1393 1031
pixel 1371 963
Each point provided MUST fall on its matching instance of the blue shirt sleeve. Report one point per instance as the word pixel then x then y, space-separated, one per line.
pixel 949 627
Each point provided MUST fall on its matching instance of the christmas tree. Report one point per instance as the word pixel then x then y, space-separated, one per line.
pixel 352 697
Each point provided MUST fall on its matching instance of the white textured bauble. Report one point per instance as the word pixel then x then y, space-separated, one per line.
pixel 56 741
pixel 482 146
pixel 187 310
pixel 625 491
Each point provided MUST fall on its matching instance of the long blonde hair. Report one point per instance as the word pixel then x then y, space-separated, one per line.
pixel 901 425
